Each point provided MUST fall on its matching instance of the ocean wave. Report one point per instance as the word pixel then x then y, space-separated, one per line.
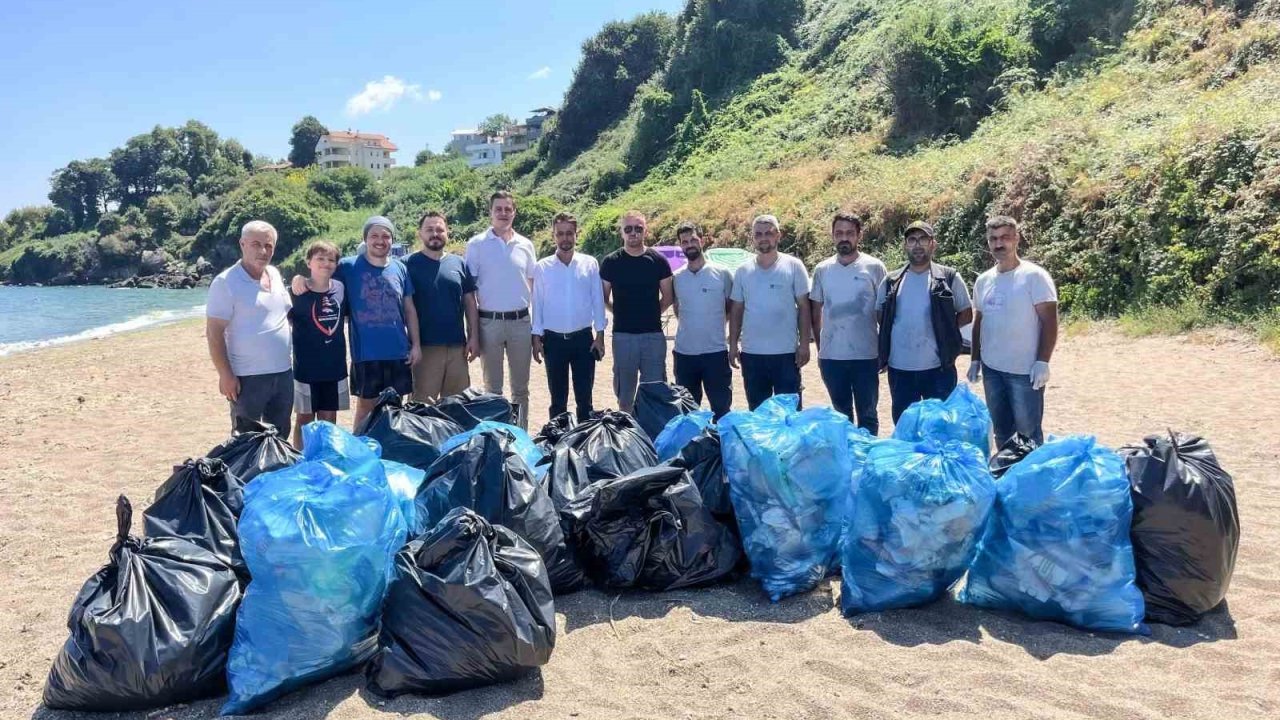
pixel 151 319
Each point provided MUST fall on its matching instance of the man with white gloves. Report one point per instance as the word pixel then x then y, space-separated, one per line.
pixel 1015 328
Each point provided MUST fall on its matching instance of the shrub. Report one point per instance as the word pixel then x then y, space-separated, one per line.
pixel 291 208
pixel 346 188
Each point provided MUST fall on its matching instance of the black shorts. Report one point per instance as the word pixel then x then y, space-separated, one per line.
pixel 369 379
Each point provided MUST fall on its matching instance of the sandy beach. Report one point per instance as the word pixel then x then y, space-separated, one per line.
pixel 85 422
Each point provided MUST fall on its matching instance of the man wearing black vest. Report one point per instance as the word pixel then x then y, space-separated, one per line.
pixel 922 305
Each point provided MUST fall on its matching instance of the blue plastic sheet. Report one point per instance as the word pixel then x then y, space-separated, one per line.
pixel 914 523
pixel 1057 545
pixel 679 431
pixel 789 477
pixel 962 416
pixel 318 538
pixel 524 445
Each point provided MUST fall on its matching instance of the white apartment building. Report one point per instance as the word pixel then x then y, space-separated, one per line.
pixel 484 153
pixel 370 151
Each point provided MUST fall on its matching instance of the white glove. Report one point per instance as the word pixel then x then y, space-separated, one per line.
pixel 975 369
pixel 1039 375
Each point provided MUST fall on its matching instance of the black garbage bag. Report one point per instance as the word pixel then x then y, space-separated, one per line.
pixel 488 475
pixel 566 477
pixel 254 449
pixel 471 407
pixel 1011 453
pixel 612 444
pixel 657 402
pixel 201 502
pixel 1186 526
pixel 650 530
pixel 150 629
pixel 409 432
pixel 701 457
pixel 549 436
pixel 470 605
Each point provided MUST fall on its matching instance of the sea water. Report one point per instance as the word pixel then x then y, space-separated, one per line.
pixel 34 317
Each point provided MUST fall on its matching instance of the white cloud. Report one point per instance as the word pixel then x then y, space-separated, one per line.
pixel 385 93
pixel 541 73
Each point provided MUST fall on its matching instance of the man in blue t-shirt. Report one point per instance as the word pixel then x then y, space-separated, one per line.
pixel 444 292
pixel 384 322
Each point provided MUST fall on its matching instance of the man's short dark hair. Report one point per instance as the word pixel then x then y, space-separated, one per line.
pixel 998 221
pixel 564 217
pixel 847 217
pixel 501 195
pixel 687 227
pixel 432 214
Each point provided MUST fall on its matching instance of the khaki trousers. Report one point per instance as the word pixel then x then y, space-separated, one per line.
pixel 514 338
pixel 441 372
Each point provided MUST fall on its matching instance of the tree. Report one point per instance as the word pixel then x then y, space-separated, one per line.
pixel 162 215
pixel 82 188
pixel 423 157
pixel 109 224
pixel 615 62
pixel 137 165
pixel 199 149
pixel 236 154
pixel 59 222
pixel 28 223
pixel 494 124
pixel 306 133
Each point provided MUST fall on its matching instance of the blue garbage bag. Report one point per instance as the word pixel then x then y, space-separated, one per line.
pixel 404 480
pixel 679 430
pixel 962 416
pixel 318 538
pixel 523 445
pixel 1057 546
pixel 789 475
pixel 914 523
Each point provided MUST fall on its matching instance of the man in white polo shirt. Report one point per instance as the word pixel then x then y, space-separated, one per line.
pixel 701 355
pixel 770 312
pixel 1015 330
pixel 247 328
pixel 843 301
pixel 568 304
pixel 502 262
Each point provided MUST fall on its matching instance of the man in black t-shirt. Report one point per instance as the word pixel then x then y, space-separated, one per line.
pixel 444 292
pixel 319 342
pixel 637 288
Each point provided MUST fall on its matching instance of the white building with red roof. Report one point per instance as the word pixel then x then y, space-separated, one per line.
pixel 370 151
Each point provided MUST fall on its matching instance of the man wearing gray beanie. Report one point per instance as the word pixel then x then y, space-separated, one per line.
pixel 383 321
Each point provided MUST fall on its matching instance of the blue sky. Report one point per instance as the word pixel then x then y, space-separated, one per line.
pixel 82 77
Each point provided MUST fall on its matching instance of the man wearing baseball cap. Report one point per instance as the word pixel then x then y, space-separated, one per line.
pixel 922 305
pixel 384 322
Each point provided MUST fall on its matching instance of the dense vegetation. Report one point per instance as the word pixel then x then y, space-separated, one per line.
pixel 1136 140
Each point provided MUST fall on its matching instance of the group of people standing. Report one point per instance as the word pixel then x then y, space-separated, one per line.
pixel 415 324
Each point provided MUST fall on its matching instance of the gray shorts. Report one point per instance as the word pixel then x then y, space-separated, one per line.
pixel 265 398
pixel 637 358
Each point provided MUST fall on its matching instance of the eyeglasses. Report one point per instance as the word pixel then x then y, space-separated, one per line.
pixel 917 240
pixel 633 228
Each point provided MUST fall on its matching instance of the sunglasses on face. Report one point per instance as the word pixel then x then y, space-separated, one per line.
pixel 633 228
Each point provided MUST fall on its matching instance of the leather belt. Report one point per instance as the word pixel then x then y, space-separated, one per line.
pixel 512 315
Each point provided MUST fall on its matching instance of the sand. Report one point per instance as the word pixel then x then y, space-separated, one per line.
pixel 83 423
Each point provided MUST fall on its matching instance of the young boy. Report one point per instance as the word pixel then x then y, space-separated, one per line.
pixel 319 342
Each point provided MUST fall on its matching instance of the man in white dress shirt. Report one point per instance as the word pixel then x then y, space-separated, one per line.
pixel 502 262
pixel 568 305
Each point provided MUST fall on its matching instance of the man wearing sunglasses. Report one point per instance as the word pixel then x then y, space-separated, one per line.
pixel 637 288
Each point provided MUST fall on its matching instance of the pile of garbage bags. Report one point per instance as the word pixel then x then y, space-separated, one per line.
pixel 679 430
pixel 470 605
pixel 254 449
pixel 914 523
pixel 472 407
pixel 657 402
pixel 151 628
pixel 1186 528
pixel 612 445
pixel 650 530
pixel 532 453
pixel 408 432
pixel 318 538
pixel 789 476
pixel 1057 545
pixel 201 503
pixel 549 436
pixel 486 474
pixel 962 416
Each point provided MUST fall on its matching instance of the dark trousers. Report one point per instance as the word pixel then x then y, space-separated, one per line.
pixel 764 376
pixel 854 385
pixel 911 386
pixel 566 353
pixel 1014 405
pixel 709 372
pixel 265 398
